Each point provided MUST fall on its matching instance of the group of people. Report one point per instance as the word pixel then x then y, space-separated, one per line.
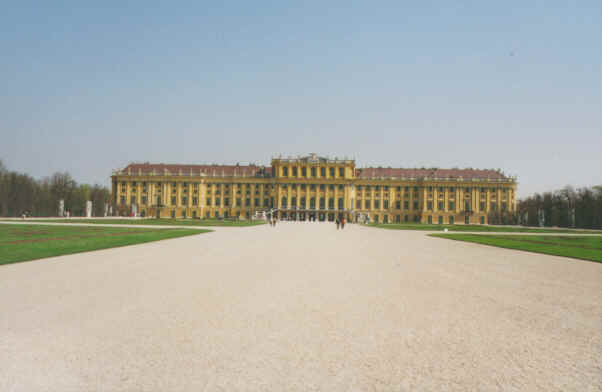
pixel 340 221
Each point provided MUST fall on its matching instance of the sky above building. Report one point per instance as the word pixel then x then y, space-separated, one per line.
pixel 512 85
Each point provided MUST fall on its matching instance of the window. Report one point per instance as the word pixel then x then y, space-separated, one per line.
pixel 375 218
pixel 482 220
pixel 294 171
pixel 452 206
pixel 358 204
pixel 397 218
pixel 386 188
pixel 406 205
pixel 493 207
pixel 322 203
pixel 303 203
pixel 283 202
pixel 466 219
pixel 173 200
pixel 332 172
pixel 304 172
pixel 322 187
pixel 313 171
pixel 429 206
pixel 367 204
pixel 256 202
pixel 430 219
pixel 430 189
pixel 386 219
pixel 195 201
pixel 341 172
pixel 266 202
pixel 294 201
pixel 440 189
pixel 184 200
pixel 451 220
pixel 415 205
pixel 467 206
pixel 407 189
pixel 377 204
pixel 217 202
pixel 386 204
pixel 398 205
pixel 285 171
pixel 503 207
pixel 415 189
pixel 405 218
pixel 331 187
pixel 452 189
pixel 377 188
pixel 312 203
pixel 341 187
pixel 238 202
pixel 144 199
pixel 467 190
pixel 122 200
pixel 331 203
pixel 482 206
pixel 440 206
pixel 247 202
pixel 368 188
pixel 322 172
pixel 312 187
pixel 440 220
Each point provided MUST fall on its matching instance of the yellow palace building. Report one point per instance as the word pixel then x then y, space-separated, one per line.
pixel 313 188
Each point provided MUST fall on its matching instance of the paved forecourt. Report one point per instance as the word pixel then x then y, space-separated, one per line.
pixel 301 307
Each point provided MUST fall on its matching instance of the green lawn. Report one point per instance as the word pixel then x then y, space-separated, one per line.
pixel 585 248
pixel 30 242
pixel 484 228
pixel 158 222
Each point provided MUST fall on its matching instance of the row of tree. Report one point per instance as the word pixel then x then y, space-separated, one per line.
pixel 581 208
pixel 20 193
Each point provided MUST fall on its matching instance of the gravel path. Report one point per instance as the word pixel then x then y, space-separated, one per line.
pixel 302 307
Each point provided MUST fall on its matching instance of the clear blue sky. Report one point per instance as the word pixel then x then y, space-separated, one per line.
pixel 515 85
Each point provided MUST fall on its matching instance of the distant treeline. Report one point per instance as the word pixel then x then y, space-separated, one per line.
pixel 20 193
pixel 581 208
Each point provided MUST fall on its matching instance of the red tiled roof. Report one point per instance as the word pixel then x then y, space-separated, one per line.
pixel 376 172
pixel 195 170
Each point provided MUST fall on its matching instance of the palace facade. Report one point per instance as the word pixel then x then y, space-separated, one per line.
pixel 313 188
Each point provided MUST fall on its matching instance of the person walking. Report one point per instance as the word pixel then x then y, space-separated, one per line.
pixel 342 223
pixel 338 223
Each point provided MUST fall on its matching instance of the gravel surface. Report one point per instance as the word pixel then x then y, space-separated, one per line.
pixel 302 307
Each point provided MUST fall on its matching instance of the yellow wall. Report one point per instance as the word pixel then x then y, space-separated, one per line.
pixel 388 197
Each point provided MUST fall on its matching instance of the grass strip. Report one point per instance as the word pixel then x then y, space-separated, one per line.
pixel 30 242
pixel 584 248
pixel 478 228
